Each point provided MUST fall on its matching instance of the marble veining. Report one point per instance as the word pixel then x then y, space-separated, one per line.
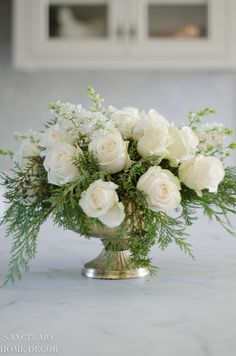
pixel 188 308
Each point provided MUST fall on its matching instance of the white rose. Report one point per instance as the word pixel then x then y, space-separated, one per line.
pixel 126 119
pixel 154 142
pixel 201 172
pixel 152 133
pixel 184 144
pixel 55 135
pixel 27 149
pixel 149 121
pixel 58 164
pixel 111 151
pixel 161 188
pixel 101 201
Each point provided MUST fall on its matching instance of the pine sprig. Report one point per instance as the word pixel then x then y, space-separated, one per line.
pixel 198 117
pixel 127 181
pixel 95 99
pixel 149 228
pixel 28 210
pixel 66 212
pixel 23 223
pixel 170 230
pixel 65 200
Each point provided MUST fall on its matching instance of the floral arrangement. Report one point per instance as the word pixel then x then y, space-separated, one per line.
pixel 126 169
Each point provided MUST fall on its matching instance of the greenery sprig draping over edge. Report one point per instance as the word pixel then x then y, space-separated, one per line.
pixel 145 227
pixel 30 208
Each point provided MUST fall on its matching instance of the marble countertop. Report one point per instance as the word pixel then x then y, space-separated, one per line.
pixel 188 308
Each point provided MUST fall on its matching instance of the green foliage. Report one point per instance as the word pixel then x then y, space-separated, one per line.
pixel 144 227
pixel 232 145
pixel 127 180
pixel 198 117
pixel 95 98
pixel 66 211
pixel 24 223
pixel 149 227
pixel 132 150
pixel 65 200
pixel 23 218
pixel 6 153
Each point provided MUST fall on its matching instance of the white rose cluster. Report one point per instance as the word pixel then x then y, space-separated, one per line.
pixel 108 134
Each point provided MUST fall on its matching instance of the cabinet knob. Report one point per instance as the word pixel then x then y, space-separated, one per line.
pixel 120 31
pixel 132 32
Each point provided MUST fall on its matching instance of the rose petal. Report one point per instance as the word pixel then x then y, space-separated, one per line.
pixel 114 216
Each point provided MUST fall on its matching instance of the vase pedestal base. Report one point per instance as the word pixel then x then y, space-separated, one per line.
pixel 113 265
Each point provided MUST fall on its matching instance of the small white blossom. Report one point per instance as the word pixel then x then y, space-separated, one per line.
pixel 212 138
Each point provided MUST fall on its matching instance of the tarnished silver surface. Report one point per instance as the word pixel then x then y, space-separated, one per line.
pixel 113 265
pixel 110 263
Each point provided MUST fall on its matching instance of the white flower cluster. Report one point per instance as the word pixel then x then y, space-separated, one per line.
pixel 108 134
pixel 212 137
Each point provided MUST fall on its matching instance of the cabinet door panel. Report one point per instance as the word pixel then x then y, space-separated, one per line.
pixel 172 31
pixel 186 21
pixel 78 22
pixel 67 33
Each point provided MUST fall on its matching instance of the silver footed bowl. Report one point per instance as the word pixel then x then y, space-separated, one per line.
pixel 112 262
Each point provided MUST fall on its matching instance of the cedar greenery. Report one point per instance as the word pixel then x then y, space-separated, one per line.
pixel 24 218
pixel 146 228
pixel 32 200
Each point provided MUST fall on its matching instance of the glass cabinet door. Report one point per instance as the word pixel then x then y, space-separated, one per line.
pixel 78 20
pixel 177 20
pixel 76 31
pixel 180 30
pixel 106 34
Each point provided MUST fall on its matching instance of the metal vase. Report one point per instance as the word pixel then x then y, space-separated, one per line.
pixel 112 262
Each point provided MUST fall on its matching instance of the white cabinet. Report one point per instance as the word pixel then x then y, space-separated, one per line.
pixel 129 34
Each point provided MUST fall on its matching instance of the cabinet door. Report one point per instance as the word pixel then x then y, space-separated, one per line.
pixel 68 33
pixel 180 33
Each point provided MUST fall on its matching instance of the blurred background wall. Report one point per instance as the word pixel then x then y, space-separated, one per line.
pixel 24 96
